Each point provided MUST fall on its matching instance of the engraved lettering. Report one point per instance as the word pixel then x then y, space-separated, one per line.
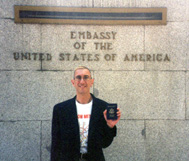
pixel 134 57
pixel 78 57
pixel 75 58
pixel 113 57
pixel 166 58
pixel 147 57
pixel 159 57
pixel 73 35
pixel 88 35
pixel 108 35
pixel 114 33
pixel 29 56
pixel 24 56
pixel 78 45
pixel 142 57
pixel 49 57
pixel 109 57
pixel 89 57
pixel 32 56
pixel 35 56
pixel 102 35
pixel 96 57
pixel 68 56
pixel 16 56
pixel 61 56
pixel 83 56
pixel 126 58
pixel 103 46
pixel 93 35
pixel 41 56
pixel 81 35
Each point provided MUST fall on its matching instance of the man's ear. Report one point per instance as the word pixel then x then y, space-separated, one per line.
pixel 92 82
pixel 72 82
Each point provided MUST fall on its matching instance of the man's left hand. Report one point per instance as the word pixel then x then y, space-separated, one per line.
pixel 112 123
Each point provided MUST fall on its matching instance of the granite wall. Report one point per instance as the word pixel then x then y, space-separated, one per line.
pixel 145 70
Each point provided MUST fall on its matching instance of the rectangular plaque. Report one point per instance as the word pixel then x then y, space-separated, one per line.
pixel 91 16
pixel 112 111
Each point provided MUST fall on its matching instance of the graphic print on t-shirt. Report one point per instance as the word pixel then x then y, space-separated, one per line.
pixel 84 114
pixel 84 133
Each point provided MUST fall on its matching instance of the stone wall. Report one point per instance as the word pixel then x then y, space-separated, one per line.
pixel 37 63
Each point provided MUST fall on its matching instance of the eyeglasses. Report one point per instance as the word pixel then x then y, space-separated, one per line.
pixel 85 78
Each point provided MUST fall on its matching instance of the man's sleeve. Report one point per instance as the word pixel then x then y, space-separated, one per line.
pixel 109 134
pixel 55 134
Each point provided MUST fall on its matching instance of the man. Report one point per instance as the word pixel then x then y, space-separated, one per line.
pixel 80 128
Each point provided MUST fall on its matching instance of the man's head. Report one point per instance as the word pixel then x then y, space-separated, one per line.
pixel 82 80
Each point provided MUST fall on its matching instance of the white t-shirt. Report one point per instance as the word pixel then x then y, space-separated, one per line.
pixel 84 114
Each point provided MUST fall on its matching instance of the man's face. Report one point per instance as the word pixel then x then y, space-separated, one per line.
pixel 82 81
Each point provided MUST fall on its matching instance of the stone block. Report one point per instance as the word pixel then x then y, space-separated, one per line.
pixel 187 42
pixel 16 42
pixel 7 7
pixel 11 35
pixel 143 95
pixel 65 3
pixel 31 38
pixel 187 95
pixel 129 143
pixel 76 3
pixel 20 141
pixel 167 140
pixel 167 40
pixel 48 3
pixel 117 3
pixel 176 9
pixel 32 95
pixel 65 45
pixel 187 10
pixel 46 140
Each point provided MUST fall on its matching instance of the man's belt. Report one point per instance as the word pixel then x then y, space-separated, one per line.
pixel 84 155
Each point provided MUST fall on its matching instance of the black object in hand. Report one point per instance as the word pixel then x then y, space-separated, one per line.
pixel 112 111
